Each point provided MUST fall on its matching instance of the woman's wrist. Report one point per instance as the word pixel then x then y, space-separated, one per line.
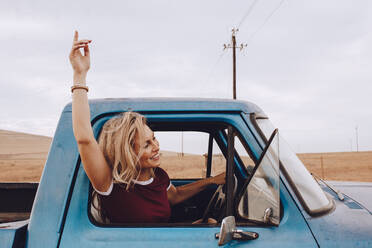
pixel 79 78
pixel 209 181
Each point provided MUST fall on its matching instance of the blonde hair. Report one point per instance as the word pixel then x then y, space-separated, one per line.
pixel 117 141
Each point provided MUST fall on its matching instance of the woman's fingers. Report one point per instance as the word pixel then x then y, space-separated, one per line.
pixel 79 46
pixel 86 50
pixel 75 50
pixel 76 36
pixel 79 62
pixel 82 42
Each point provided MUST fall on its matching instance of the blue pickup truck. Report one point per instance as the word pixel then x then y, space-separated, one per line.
pixel 269 198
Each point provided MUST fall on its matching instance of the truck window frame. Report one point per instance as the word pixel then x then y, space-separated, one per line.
pixel 175 126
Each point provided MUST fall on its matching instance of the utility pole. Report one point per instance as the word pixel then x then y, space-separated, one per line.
pixel 182 144
pixel 351 145
pixel 322 166
pixel 233 46
pixel 356 134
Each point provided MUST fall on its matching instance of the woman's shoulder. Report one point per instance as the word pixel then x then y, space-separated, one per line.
pixel 161 174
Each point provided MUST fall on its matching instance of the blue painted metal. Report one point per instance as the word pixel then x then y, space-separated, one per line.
pixel 292 221
pixel 344 227
pixel 52 195
pixel 60 211
pixel 7 237
pixel 50 203
pixel 253 130
pixel 361 191
pixel 101 106
pixel 348 225
pixel 13 234
pixel 81 232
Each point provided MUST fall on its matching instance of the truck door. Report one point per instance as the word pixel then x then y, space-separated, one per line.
pixel 80 230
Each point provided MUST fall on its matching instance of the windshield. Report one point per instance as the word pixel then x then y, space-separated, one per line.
pixel 307 190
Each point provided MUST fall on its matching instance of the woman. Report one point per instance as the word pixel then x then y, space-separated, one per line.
pixel 123 167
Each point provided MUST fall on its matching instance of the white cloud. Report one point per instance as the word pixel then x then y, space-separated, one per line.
pixel 11 25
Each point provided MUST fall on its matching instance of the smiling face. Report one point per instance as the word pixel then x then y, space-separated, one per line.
pixel 147 144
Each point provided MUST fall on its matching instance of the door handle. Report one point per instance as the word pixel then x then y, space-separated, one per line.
pixel 241 235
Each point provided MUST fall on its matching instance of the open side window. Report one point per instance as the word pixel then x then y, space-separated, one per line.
pixel 184 167
pixel 190 155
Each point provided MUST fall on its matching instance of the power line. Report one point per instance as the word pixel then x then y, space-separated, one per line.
pixel 250 8
pixel 216 63
pixel 248 12
pixel 266 20
pixel 213 67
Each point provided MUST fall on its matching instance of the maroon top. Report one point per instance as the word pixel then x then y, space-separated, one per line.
pixel 141 203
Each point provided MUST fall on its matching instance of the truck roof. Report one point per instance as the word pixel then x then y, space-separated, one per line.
pixel 100 106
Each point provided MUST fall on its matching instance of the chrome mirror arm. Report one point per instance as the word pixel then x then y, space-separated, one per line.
pixel 244 235
pixel 267 215
pixel 229 232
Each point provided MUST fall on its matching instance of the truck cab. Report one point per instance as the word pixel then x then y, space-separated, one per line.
pixel 270 195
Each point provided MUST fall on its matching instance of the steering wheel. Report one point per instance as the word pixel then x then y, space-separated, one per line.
pixel 216 204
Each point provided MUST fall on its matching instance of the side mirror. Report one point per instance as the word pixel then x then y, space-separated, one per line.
pixel 227 229
pixel 229 232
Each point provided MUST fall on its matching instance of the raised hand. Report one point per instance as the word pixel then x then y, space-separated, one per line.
pixel 80 63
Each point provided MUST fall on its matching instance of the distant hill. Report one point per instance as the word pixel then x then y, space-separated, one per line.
pixel 340 166
pixel 22 158
pixel 16 142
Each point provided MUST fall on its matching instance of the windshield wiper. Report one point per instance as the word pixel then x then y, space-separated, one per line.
pixel 340 195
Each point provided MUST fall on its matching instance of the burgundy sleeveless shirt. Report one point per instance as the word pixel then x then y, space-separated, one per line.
pixel 141 203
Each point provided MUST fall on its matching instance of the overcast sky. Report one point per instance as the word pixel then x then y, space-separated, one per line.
pixel 307 64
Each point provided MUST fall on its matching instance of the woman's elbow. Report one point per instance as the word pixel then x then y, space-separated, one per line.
pixel 83 138
pixel 83 141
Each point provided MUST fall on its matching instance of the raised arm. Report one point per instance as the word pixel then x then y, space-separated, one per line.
pixel 95 165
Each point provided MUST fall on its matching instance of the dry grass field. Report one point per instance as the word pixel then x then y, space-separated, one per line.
pixel 22 157
pixel 340 166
